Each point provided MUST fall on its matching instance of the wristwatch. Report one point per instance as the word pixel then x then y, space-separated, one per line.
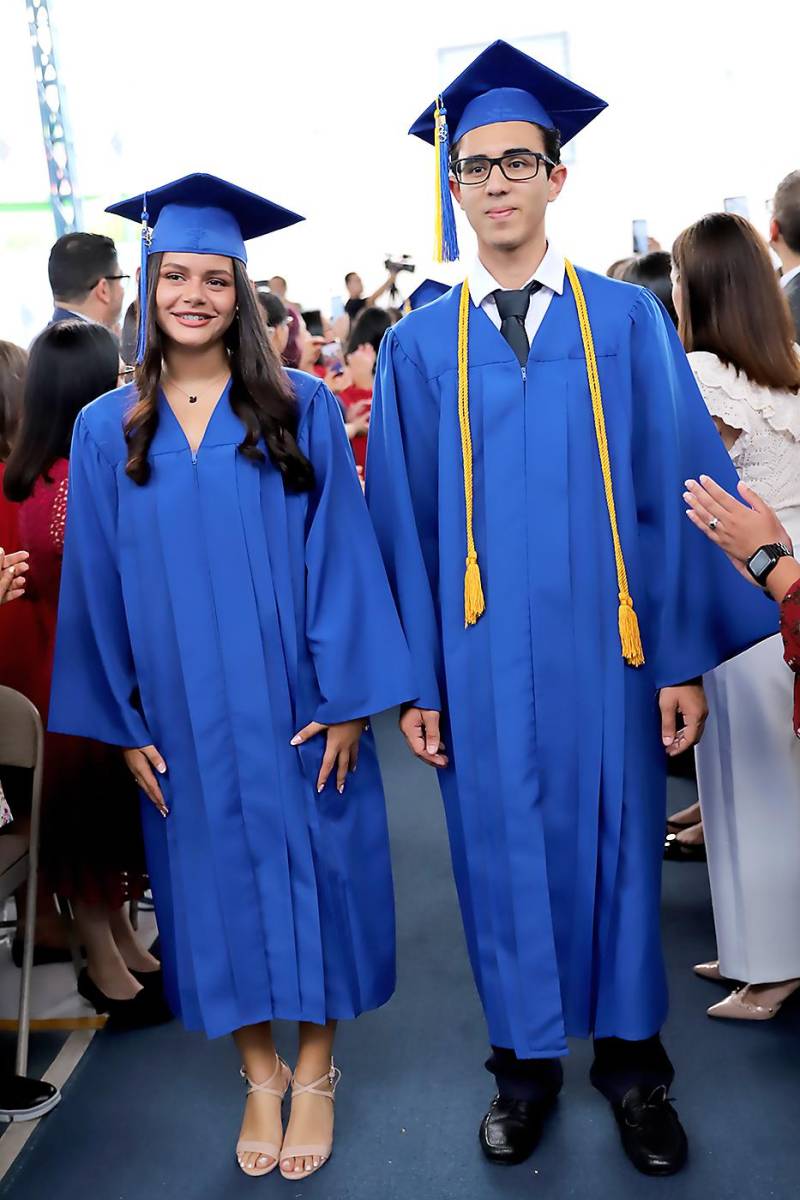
pixel 765 559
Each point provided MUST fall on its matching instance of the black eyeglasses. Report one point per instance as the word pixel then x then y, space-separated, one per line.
pixel 109 277
pixel 523 164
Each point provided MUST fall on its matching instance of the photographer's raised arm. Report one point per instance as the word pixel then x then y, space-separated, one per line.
pixel 388 283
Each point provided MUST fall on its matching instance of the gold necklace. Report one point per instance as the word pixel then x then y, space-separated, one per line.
pixel 193 398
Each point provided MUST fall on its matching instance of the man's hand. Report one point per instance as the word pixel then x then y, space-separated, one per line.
pixel 689 699
pixel 140 763
pixel 420 727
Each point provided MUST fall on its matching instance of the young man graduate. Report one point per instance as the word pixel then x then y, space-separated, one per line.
pixel 539 423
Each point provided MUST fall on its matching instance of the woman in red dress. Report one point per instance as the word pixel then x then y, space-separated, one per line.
pixel 16 621
pixel 92 849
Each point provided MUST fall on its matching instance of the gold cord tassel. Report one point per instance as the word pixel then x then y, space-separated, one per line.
pixel 629 634
pixel 474 603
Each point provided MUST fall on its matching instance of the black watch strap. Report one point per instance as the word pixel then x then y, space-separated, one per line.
pixel 765 559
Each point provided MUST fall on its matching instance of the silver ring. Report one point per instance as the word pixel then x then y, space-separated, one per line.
pixel 713 523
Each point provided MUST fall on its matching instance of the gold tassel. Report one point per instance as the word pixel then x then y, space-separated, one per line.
pixel 474 603
pixel 629 634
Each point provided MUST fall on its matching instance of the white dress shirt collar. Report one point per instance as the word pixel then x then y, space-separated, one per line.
pixel 550 273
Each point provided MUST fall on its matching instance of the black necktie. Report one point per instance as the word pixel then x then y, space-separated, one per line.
pixel 513 309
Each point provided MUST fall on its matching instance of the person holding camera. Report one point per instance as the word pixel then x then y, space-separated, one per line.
pixel 356 300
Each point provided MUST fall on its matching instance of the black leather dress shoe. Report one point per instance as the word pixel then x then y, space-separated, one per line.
pixel 23 1099
pixel 512 1129
pixel 653 1137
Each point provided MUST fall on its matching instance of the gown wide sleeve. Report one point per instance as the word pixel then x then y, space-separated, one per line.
pixel 360 655
pixel 94 683
pixel 402 499
pixel 705 612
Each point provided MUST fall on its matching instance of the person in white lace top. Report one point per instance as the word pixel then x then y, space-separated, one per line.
pixel 736 327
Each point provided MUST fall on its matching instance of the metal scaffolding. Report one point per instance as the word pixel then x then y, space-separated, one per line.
pixel 64 199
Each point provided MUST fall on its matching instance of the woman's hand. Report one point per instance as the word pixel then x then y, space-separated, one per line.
pixel 339 381
pixel 12 575
pixel 738 529
pixel 357 418
pixel 140 763
pixel 341 750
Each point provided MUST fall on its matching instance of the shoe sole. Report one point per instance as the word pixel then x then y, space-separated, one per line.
pixel 10 1116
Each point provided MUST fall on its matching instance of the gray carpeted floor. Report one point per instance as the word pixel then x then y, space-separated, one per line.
pixel 155 1114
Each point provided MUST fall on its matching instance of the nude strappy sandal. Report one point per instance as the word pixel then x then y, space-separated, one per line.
pixel 322 1151
pixel 247 1145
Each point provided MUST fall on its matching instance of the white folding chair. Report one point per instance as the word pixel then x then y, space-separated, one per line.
pixel 22 745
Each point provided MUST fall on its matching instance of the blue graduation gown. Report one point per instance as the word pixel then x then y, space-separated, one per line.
pixel 213 615
pixel 555 792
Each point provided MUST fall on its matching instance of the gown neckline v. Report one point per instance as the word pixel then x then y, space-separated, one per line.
pixel 220 403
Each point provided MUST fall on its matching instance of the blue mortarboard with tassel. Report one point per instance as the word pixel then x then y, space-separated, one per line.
pixel 501 84
pixel 198 214
pixel 424 293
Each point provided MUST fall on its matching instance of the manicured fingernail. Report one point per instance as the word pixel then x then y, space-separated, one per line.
pixel 164 812
pixel 704 478
pixel 296 740
pixel 688 483
pixel 340 788
pixel 321 788
pixel 161 768
pixel 668 741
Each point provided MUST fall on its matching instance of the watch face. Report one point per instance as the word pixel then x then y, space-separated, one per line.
pixel 760 561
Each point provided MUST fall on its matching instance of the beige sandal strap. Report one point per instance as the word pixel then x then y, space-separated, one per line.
pixel 251 1147
pixel 265 1086
pixel 331 1077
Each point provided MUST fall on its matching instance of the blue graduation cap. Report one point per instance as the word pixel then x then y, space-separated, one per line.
pixel 198 214
pixel 501 84
pixel 424 293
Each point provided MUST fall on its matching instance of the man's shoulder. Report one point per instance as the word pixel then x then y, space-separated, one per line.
pixel 613 292
pixel 426 333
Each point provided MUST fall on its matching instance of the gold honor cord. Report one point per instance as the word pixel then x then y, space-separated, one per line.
pixel 474 603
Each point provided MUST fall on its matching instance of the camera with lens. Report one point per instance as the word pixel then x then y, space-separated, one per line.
pixel 398 263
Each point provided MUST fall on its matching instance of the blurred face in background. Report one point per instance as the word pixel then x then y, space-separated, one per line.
pixel 355 287
pixel 677 298
pixel 279 336
pixel 506 214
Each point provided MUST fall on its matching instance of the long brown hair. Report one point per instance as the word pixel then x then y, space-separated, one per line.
pixel 731 301
pixel 71 363
pixel 13 361
pixel 260 393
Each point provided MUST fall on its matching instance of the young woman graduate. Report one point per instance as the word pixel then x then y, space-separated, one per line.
pixel 539 422
pixel 225 617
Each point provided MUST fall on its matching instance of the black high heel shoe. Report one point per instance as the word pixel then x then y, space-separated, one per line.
pixel 143 1009
pixel 677 851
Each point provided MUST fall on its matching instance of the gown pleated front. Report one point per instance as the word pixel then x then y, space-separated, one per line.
pixel 555 792
pixel 213 615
